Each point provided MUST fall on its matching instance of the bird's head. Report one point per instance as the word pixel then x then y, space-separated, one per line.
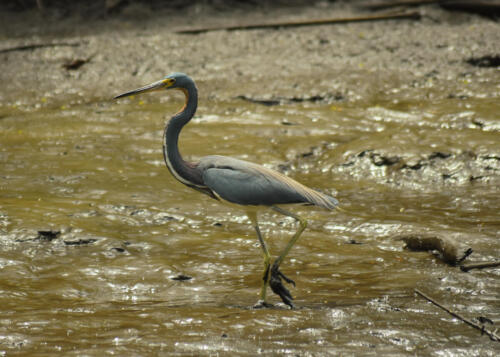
pixel 172 81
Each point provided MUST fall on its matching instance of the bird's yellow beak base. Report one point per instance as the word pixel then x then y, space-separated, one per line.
pixel 163 84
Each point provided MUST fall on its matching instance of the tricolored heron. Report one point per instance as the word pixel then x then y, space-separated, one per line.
pixel 236 181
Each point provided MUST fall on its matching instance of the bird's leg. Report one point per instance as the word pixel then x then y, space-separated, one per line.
pixel 275 281
pixel 267 261
pixel 303 225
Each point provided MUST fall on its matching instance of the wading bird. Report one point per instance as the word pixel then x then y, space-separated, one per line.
pixel 235 181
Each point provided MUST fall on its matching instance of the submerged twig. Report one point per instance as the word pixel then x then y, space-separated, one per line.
pixel 386 16
pixel 468 252
pixel 492 334
pixel 468 267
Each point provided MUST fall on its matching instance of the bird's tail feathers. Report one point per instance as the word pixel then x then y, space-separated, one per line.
pixel 322 200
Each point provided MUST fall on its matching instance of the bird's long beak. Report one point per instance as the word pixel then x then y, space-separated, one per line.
pixel 164 83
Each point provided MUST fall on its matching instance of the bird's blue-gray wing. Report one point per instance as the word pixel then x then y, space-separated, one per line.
pixel 246 183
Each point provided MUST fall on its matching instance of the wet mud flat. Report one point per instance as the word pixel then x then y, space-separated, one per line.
pixel 102 252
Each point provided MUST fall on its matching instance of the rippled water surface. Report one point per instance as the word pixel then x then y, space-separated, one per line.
pixel 105 284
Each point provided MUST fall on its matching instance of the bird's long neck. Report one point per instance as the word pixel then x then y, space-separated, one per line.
pixel 182 170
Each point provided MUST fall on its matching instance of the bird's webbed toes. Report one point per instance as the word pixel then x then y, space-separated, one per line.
pixel 279 289
pixel 285 278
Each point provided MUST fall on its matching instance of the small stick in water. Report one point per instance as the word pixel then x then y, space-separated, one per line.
pixel 468 267
pixel 492 334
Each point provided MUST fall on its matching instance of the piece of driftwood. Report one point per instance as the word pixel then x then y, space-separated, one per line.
pixel 467 267
pixel 448 248
pixel 492 334
pixel 314 22
pixel 37 45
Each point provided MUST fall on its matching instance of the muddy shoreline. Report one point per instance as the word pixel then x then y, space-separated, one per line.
pixel 424 59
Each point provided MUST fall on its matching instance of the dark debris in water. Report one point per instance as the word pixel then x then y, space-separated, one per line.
pixel 439 155
pixel 484 320
pixel 43 236
pixel 80 241
pixel 485 61
pixel 76 63
pixel 51 235
pixel 459 168
pixel 182 277
pixel 378 159
pixel 267 102
pixel 326 98
pixel 48 235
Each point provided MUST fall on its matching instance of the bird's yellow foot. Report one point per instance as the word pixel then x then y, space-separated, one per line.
pixel 261 304
pixel 278 288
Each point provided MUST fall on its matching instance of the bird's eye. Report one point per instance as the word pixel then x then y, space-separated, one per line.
pixel 169 82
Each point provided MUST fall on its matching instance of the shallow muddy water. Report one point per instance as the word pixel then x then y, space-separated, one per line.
pixel 106 284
